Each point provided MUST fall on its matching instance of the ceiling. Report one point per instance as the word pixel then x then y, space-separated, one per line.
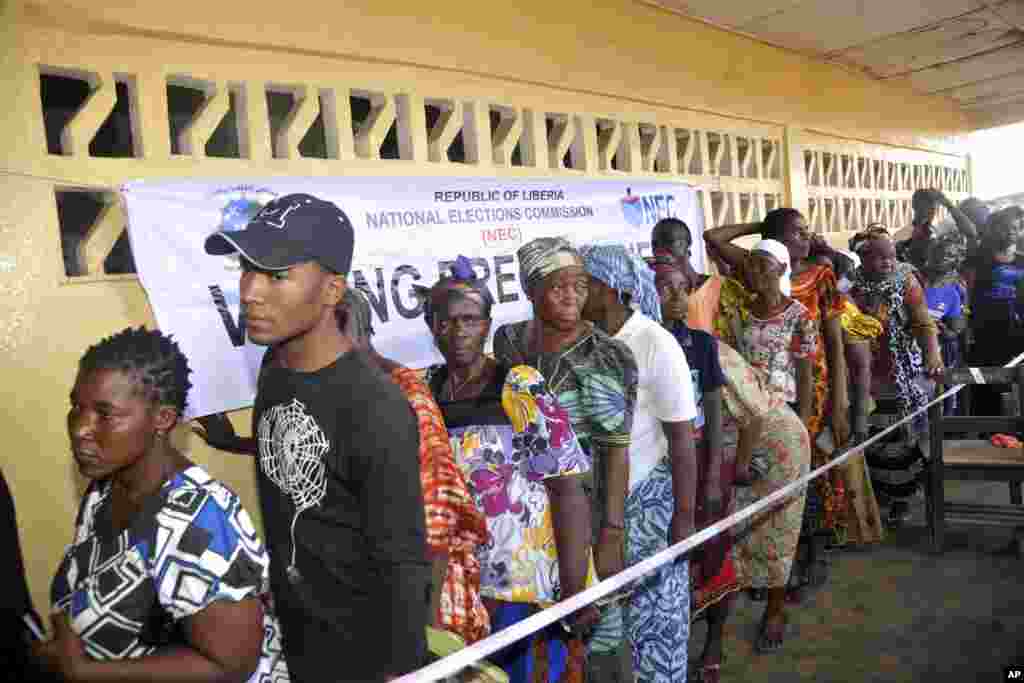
pixel 969 50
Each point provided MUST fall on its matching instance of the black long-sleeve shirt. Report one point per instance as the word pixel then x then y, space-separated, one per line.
pixel 343 511
pixel 16 664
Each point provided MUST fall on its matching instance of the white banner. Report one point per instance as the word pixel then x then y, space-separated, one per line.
pixel 406 230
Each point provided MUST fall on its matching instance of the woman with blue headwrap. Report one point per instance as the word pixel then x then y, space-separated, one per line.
pixel 662 461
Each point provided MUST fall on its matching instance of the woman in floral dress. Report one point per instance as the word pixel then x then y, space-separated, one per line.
pixel 595 378
pixel 815 287
pixel 523 462
pixel 772 435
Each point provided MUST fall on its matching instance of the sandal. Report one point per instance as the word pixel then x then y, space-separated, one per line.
pixel 766 645
pixel 709 673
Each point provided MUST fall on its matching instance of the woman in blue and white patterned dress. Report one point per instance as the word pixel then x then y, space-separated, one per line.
pixel 165 576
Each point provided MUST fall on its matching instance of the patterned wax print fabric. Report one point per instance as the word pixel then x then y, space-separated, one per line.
pixel 817 290
pixel 858 326
pixel 455 526
pixel 191 545
pixel 595 379
pixel 658 612
pixel 765 548
pixel 507 442
pixel 708 589
pixel 773 345
pixel 733 311
pixel 898 379
pixel 506 451
pixel 657 617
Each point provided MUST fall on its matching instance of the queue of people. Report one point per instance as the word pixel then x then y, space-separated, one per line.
pixel 642 402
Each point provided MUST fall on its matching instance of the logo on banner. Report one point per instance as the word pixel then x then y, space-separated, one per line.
pixel 501 237
pixel 644 210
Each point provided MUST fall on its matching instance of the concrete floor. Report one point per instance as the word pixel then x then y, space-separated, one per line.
pixel 897 612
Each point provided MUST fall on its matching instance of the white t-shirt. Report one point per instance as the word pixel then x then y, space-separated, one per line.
pixel 664 392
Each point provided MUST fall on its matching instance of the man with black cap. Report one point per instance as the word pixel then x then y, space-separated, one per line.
pixel 337 456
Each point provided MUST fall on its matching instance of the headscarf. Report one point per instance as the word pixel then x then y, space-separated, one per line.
pixel 780 253
pixel 460 281
pixel 861 240
pixel 545 255
pixel 624 272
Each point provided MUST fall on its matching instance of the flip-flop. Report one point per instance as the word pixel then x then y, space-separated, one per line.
pixel 764 646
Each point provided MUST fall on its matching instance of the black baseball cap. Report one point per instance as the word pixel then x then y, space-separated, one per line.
pixel 288 231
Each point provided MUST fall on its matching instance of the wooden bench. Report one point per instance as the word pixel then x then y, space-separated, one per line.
pixel 974 459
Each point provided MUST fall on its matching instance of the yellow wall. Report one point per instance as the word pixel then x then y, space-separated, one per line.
pixel 741 120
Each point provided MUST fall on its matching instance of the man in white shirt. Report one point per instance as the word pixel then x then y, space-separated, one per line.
pixel 662 459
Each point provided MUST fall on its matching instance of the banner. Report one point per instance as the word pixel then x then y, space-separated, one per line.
pixel 407 230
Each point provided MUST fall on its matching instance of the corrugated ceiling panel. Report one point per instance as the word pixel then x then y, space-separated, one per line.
pixel 991 92
pixel 829 26
pixel 967 71
pixel 729 13
pixel 948 41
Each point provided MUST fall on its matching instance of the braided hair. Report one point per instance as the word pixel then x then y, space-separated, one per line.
pixel 151 357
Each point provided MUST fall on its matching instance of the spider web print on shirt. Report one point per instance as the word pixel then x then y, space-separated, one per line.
pixel 292 447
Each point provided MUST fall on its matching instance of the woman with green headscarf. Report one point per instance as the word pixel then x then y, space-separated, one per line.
pixel 595 378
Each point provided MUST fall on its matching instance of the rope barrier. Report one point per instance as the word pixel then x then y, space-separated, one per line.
pixel 458 661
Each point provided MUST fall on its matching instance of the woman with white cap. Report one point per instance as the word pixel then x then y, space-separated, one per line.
pixel 774 332
pixel 814 285
pixel 776 336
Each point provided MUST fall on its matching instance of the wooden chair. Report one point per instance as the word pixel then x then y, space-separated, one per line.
pixel 975 459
